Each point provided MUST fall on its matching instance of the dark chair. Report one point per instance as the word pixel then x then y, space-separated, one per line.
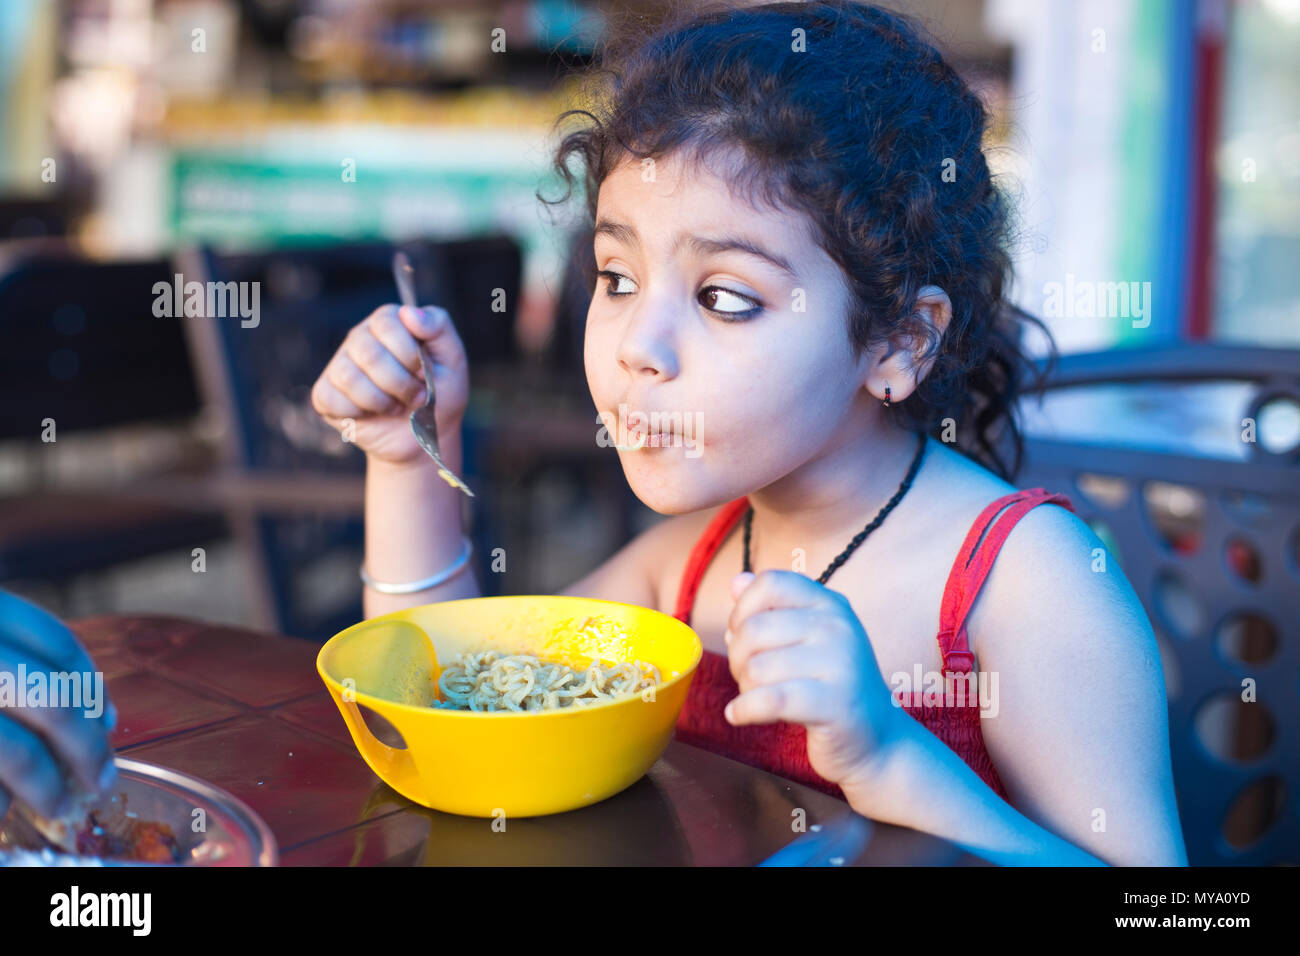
pixel 81 349
pixel 310 297
pixel 1157 449
pixel 260 377
pixel 26 217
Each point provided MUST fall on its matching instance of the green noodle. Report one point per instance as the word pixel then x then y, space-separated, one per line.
pixel 492 681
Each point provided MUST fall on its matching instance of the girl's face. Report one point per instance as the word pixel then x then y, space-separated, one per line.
pixel 721 324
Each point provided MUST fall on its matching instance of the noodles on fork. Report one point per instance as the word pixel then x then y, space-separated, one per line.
pixel 493 681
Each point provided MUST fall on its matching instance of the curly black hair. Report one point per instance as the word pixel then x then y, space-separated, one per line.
pixel 849 114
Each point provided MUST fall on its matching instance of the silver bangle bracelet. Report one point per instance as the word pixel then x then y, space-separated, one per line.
pixel 447 573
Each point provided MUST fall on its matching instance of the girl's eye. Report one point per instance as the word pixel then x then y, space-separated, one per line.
pixel 714 298
pixel 613 277
pixel 720 296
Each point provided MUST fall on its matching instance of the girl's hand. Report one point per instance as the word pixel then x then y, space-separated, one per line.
pixel 800 655
pixel 49 755
pixel 374 381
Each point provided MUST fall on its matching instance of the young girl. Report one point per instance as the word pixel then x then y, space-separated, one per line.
pixel 800 312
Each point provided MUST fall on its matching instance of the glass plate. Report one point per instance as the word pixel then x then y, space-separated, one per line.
pixel 212 827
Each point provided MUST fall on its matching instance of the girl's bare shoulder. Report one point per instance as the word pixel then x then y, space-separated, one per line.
pixel 955 489
pixel 1050 564
pixel 1042 531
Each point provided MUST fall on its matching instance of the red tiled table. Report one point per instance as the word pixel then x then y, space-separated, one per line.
pixel 248 713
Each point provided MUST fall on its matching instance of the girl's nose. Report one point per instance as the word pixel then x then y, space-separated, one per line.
pixel 646 347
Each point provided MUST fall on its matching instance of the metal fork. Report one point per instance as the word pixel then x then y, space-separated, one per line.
pixel 423 423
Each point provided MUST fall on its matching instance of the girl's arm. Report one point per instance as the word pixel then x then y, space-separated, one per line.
pixel 414 527
pixel 367 391
pixel 919 782
pixel 1077 725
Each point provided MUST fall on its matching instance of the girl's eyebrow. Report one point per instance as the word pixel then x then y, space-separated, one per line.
pixel 702 245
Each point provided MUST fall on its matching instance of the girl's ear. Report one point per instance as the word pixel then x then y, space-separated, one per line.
pixel 901 363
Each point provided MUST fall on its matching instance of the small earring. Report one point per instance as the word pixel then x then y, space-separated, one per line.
pixel 886 402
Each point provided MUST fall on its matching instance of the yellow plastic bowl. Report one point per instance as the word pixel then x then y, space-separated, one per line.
pixel 519 764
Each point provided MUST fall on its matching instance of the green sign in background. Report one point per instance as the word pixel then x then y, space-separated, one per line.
pixel 236 202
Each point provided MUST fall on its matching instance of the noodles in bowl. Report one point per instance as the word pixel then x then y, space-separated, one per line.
pixel 493 681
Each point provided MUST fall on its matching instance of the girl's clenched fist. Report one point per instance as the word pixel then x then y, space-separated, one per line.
pixel 374 381
pixel 799 654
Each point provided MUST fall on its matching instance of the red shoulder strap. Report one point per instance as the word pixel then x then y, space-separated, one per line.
pixel 967 576
pixel 702 553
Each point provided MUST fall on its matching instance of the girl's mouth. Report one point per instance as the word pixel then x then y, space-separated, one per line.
pixel 639 438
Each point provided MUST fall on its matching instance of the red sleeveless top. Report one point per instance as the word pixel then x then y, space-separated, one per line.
pixel 781 747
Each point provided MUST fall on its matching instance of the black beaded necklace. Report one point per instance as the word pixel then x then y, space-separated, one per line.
pixel 875 522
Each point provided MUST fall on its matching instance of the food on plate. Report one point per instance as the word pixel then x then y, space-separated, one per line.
pixel 495 681
pixel 140 840
pixel 109 832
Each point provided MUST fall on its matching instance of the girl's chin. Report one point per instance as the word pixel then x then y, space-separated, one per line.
pixel 669 492
pixel 669 505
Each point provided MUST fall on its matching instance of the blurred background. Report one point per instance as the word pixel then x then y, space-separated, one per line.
pixel 175 466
